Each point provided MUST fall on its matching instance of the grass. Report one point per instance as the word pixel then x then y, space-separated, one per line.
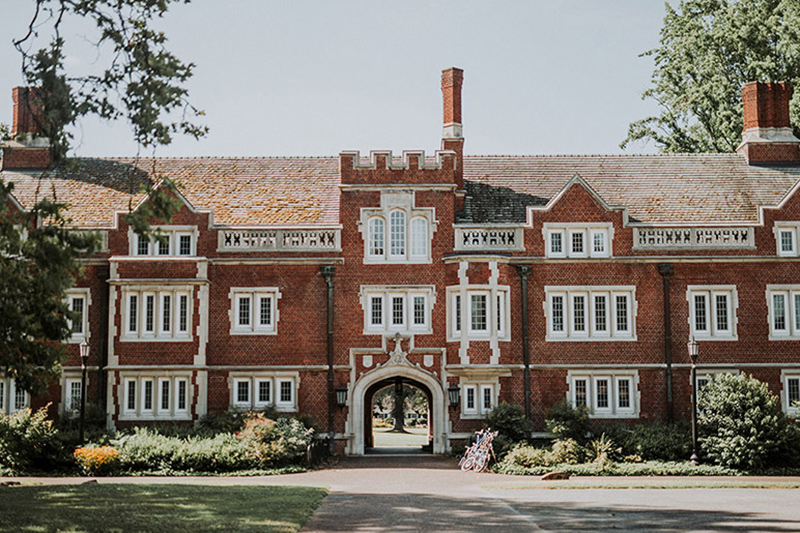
pixel 190 508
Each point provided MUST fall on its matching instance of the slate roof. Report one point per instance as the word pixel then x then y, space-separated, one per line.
pixel 240 191
pixel 657 189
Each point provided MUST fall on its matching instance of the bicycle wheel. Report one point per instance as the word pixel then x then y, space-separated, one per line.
pixel 481 462
pixel 469 461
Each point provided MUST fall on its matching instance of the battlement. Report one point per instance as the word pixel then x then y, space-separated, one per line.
pixel 384 168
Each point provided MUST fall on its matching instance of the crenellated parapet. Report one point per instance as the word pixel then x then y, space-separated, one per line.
pixel 383 168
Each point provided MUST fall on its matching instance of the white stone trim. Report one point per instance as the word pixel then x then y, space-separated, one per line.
pixel 273 294
pixel 711 292
pixel 614 410
pixel 86 294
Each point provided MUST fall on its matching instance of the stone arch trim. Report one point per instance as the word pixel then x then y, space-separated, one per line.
pixel 438 407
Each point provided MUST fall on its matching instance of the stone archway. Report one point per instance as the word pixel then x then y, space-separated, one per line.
pixel 364 384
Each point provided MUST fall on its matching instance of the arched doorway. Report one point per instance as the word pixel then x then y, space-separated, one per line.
pixel 360 414
pixel 399 436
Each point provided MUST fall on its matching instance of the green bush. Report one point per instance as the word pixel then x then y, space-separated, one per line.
pixel 28 442
pixel 527 456
pixel 742 425
pixel 568 451
pixel 666 442
pixel 277 443
pixel 263 443
pixel 649 468
pixel 567 422
pixel 509 419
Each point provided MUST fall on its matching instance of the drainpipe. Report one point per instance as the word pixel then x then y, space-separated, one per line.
pixel 327 272
pixel 666 270
pixel 102 378
pixel 524 272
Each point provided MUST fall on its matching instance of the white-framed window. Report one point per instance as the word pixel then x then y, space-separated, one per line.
pixel 577 240
pixel 157 313
pixel 606 394
pixel 786 234
pixel 263 389
pixel 783 302
pixel 397 308
pixel 72 394
pixel 477 399
pixel 12 398
pixel 398 231
pixel 78 301
pixel 790 394
pixel 479 312
pixel 170 241
pixel 576 313
pixel 712 311
pixel 254 310
pixel 156 396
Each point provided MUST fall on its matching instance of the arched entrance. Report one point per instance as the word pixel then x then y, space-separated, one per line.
pixel 360 414
pixel 397 386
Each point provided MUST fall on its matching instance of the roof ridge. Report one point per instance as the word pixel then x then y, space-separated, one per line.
pixel 204 157
pixel 683 154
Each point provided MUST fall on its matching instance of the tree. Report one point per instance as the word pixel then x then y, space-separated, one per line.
pixel 742 425
pixel 709 50
pixel 38 263
pixel 141 81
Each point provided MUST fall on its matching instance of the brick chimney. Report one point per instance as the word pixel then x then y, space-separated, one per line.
pixel 28 148
pixel 767 135
pixel 452 131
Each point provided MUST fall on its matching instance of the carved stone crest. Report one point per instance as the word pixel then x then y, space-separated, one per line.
pixel 398 356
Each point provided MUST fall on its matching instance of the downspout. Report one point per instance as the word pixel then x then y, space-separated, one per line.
pixel 327 272
pixel 666 270
pixel 102 380
pixel 524 272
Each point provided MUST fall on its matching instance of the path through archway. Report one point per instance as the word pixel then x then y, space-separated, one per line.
pixel 392 426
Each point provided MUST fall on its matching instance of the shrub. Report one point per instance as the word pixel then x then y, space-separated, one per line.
pixel 742 425
pixel 28 441
pixel 227 422
pixel 604 452
pixel 97 461
pixel 527 456
pixel 568 451
pixel 666 442
pixel 277 443
pixel 567 422
pixel 509 420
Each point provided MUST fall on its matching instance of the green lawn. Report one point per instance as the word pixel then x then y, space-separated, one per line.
pixel 110 508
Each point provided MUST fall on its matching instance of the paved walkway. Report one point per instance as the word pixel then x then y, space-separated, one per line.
pixel 427 493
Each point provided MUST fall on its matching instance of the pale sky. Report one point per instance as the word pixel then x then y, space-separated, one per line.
pixel 299 77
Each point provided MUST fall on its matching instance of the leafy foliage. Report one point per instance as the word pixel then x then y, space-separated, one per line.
pixel 142 80
pixel 95 461
pixel 709 49
pixel 38 263
pixel 567 422
pixel 742 425
pixel 27 441
pixel 509 421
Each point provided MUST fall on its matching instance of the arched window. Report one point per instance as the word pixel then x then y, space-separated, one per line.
pixel 419 237
pixel 376 236
pixel 397 233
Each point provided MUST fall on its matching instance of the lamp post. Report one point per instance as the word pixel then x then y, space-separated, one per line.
pixel 694 348
pixel 84 360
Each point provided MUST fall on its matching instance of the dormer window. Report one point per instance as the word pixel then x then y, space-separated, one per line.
pixel 577 240
pixel 166 241
pixel 398 231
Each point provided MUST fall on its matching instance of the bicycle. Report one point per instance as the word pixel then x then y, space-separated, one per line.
pixel 476 457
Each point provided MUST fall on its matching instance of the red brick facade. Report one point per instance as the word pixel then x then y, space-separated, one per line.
pixel 428 257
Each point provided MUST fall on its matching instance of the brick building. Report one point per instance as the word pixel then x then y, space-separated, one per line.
pixel 526 279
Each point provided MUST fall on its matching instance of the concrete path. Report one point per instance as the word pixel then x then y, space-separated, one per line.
pixel 425 493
